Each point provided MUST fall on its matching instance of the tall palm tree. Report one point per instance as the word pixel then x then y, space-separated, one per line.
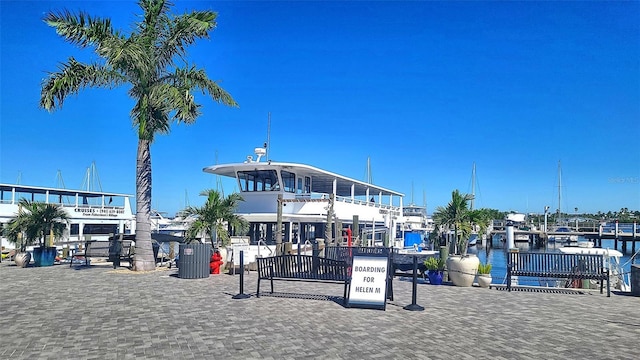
pixel 457 216
pixel 212 216
pixel 148 59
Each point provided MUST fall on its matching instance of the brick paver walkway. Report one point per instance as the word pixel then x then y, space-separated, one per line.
pixel 97 313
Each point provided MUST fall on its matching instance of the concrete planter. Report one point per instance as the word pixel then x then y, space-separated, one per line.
pixel 484 280
pixel 462 269
pixel 44 256
pixel 435 277
pixel 22 259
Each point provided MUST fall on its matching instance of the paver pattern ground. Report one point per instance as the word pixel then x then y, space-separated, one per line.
pixel 98 313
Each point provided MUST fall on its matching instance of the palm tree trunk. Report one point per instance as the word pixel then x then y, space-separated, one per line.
pixel 328 231
pixel 453 245
pixel 143 260
pixel 214 237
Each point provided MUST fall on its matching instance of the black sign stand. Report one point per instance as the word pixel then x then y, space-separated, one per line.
pixel 413 306
pixel 241 295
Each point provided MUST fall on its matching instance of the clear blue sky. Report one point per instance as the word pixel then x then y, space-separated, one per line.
pixel 424 89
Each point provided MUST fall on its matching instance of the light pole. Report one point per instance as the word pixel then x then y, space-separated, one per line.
pixel 546 213
pixel 576 209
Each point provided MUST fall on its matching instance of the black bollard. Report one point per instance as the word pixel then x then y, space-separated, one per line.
pixel 241 295
pixel 413 306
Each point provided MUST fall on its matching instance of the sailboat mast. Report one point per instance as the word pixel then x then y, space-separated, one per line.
pixel 473 185
pixel 412 193
pixel 424 201
pixel 266 145
pixel 559 193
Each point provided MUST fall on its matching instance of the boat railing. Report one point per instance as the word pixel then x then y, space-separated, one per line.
pixel 350 200
pixel 263 243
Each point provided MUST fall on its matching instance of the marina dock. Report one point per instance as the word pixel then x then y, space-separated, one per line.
pixel 621 238
pixel 99 313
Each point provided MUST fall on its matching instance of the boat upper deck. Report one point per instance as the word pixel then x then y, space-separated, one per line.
pixel 307 190
pixel 78 203
pixel 319 181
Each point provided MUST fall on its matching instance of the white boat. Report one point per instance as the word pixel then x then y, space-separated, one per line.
pixel 611 261
pixel 310 198
pixel 93 215
pixel 414 220
pixel 558 236
pixel 473 239
pixel 176 226
pixel 414 217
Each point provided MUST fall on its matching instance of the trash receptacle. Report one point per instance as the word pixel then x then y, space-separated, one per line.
pixel 156 249
pixel 115 249
pixel 635 279
pixel 193 261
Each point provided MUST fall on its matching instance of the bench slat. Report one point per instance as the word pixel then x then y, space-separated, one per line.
pixel 555 265
pixel 303 268
pixel 95 249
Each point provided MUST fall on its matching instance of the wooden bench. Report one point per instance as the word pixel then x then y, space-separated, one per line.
pixel 302 268
pixel 102 249
pixel 555 265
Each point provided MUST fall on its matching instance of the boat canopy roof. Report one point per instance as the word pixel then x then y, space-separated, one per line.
pixel 56 191
pixel 321 180
pixel 590 251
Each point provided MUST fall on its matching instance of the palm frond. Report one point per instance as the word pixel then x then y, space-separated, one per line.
pixel 194 78
pixel 215 214
pixel 80 29
pixel 182 31
pixel 72 77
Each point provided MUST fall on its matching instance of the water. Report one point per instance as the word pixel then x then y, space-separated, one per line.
pixel 497 257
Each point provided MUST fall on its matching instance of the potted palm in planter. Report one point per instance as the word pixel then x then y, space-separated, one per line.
pixel 484 275
pixel 435 269
pixel 15 233
pixel 37 219
pixel 458 218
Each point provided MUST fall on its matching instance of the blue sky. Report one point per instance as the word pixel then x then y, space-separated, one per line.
pixel 423 89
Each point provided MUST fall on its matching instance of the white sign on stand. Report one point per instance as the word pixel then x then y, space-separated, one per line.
pixel 368 281
pixel 235 253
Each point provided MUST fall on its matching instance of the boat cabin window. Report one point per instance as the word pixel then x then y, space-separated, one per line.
pixel 258 180
pixel 307 185
pixel 289 181
pixel 299 188
pixel 90 229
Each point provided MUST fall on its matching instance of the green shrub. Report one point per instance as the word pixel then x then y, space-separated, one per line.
pixel 434 263
pixel 484 268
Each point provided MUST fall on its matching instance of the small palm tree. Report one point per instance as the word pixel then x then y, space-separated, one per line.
pixel 34 221
pixel 457 216
pixel 148 59
pixel 212 216
pixel 15 233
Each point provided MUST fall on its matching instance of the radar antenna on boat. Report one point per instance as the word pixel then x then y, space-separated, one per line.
pixel 266 144
pixel 260 152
